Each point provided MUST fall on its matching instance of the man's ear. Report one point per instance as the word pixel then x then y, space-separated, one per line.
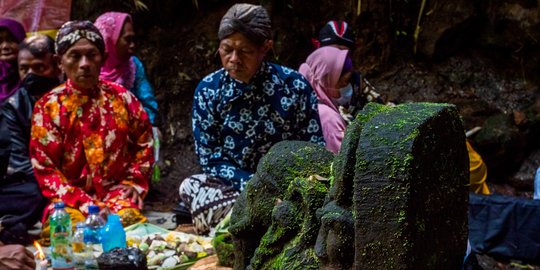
pixel 58 60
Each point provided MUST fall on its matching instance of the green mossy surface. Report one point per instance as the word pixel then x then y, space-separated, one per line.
pixel 252 213
pixel 411 166
pixel 399 168
pixel 336 235
pixel 224 248
pixel 289 241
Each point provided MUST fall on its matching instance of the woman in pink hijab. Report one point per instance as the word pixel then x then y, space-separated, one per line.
pixel 121 65
pixel 328 69
pixel 11 34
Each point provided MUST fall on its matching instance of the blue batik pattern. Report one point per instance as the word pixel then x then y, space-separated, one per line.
pixel 234 124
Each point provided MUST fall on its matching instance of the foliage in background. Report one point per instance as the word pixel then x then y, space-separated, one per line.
pixel 140 5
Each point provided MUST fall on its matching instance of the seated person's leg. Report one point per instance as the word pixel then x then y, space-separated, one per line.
pixel 208 199
pixel 21 207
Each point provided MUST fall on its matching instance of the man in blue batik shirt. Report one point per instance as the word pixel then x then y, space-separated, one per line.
pixel 242 110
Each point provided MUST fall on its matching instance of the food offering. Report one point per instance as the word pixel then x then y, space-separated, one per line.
pixel 172 250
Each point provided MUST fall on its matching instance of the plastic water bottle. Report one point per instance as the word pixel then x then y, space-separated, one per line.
pixel 113 233
pixel 92 236
pixel 61 253
pixel 77 244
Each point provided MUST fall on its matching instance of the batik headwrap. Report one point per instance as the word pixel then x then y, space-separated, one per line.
pixel 73 31
pixel 9 75
pixel 250 20
pixel 121 71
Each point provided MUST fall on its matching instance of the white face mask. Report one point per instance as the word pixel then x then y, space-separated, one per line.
pixel 346 95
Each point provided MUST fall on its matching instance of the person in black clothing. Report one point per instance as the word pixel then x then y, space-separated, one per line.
pixel 22 201
pixel 359 91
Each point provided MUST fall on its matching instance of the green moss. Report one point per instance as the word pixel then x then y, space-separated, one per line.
pixel 286 243
pixel 224 248
pixel 401 217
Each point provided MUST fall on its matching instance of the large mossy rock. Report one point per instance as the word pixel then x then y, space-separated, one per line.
pixel 410 188
pixel 252 213
pixel 335 241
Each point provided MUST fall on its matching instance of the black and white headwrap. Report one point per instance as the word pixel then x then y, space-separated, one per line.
pixel 250 20
pixel 73 31
pixel 339 33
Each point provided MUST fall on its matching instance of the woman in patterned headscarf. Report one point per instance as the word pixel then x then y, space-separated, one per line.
pixel 11 34
pixel 242 110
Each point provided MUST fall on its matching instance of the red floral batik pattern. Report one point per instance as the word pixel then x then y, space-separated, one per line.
pixel 86 142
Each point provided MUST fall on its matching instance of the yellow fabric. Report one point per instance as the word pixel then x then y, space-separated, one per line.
pixel 478 172
pixel 51 33
pixel 130 216
pixel 75 215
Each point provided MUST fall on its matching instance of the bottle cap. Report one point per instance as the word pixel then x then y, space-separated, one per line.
pixel 59 205
pixel 93 209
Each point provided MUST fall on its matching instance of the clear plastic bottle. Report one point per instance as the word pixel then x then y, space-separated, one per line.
pixel 92 235
pixel 61 252
pixel 77 244
pixel 113 233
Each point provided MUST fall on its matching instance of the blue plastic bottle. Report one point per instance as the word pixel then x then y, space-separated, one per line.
pixel 92 236
pixel 61 252
pixel 113 234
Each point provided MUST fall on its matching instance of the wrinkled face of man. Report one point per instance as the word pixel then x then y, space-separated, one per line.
pixel 82 64
pixel 240 57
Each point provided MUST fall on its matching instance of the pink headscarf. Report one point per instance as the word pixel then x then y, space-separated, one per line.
pixel 110 24
pixel 323 69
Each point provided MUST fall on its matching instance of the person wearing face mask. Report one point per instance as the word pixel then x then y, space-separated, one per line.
pixel 20 193
pixel 359 92
pixel 11 34
pixel 328 70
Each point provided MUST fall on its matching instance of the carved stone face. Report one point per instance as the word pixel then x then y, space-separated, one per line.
pixel 335 241
pixel 252 213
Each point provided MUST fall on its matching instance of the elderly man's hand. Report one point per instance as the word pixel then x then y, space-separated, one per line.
pixel 16 257
pixel 130 193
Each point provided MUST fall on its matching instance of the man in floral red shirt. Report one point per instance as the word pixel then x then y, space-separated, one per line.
pixel 91 141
